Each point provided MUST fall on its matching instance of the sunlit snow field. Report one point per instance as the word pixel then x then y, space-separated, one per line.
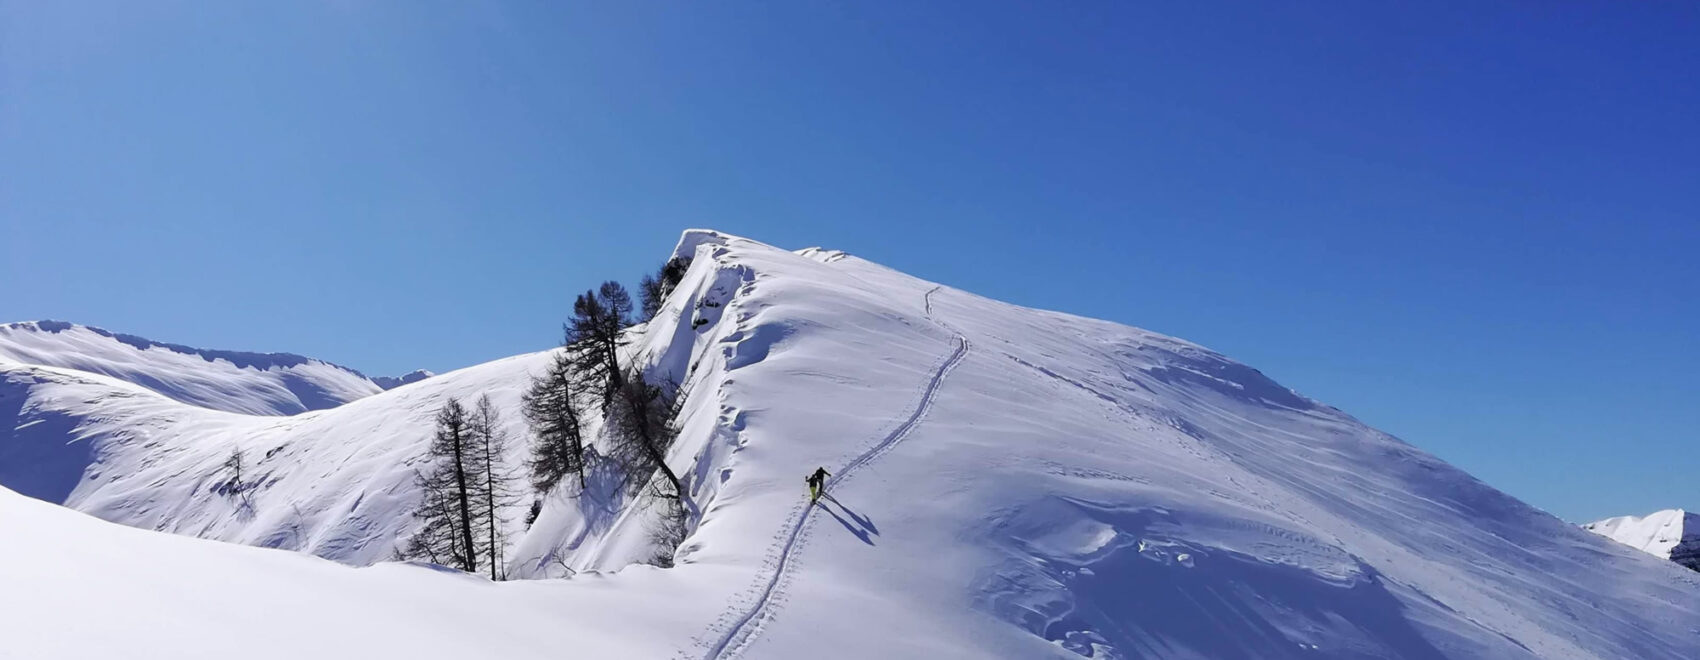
pixel 1008 483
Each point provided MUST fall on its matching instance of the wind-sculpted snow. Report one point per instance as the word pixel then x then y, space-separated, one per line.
pixel 231 381
pixel 1067 488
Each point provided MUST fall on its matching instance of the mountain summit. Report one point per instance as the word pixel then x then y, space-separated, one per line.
pixel 1671 534
pixel 1006 483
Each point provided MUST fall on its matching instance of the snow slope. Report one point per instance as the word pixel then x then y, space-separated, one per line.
pixel 74 587
pixel 1007 483
pixel 336 483
pixel 1671 534
pixel 232 381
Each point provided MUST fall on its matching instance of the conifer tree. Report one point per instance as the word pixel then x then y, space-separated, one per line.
pixel 640 430
pixel 593 334
pixel 654 289
pixel 492 487
pixel 233 466
pixel 618 303
pixel 236 484
pixel 650 296
pixel 449 506
pixel 557 448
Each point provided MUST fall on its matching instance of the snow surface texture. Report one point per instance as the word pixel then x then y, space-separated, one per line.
pixel 1007 483
pixel 1671 534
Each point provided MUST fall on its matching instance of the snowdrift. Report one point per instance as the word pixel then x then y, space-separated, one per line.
pixel 1007 483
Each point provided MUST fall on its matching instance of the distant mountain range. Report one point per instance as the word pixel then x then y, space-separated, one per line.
pixel 232 381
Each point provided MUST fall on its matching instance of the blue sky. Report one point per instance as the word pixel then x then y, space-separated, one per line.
pixel 1473 225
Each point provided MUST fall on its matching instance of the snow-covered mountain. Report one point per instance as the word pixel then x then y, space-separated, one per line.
pixel 232 381
pixel 392 382
pixel 1007 483
pixel 1671 534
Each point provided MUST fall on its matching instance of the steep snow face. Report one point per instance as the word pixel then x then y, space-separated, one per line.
pixel 1007 483
pixel 231 381
pixel 1671 534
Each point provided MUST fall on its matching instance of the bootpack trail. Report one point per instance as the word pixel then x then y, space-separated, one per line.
pixel 747 626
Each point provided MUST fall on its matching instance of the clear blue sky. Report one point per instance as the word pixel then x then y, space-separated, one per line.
pixel 1471 224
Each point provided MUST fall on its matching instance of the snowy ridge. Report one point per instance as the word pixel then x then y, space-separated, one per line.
pixel 231 381
pixel 336 483
pixel 1671 534
pixel 1065 488
pixel 392 382
pixel 749 623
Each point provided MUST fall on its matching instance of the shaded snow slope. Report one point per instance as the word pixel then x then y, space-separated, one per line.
pixel 1671 534
pixel 1008 483
pixel 232 381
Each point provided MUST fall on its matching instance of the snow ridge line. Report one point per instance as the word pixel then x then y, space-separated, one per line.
pixel 740 632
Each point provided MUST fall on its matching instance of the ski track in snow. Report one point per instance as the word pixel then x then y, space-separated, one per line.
pixel 747 627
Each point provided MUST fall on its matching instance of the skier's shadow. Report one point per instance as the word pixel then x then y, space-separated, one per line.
pixel 863 528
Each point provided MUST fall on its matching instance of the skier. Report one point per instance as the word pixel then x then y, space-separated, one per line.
pixel 817 483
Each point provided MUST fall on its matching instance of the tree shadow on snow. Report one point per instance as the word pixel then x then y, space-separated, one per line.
pixel 604 493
